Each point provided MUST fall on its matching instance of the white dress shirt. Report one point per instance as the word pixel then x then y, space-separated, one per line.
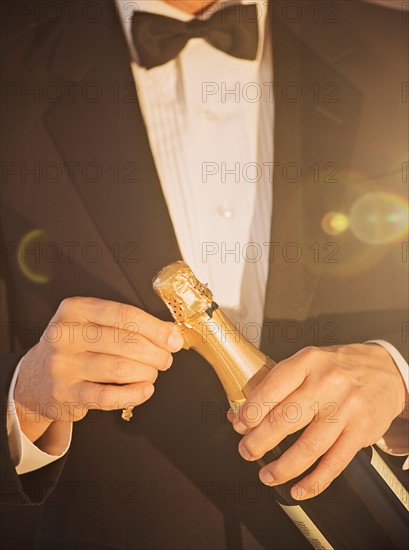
pixel 209 118
pixel 208 143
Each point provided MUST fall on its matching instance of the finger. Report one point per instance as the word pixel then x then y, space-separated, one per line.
pixel 279 383
pixel 123 317
pixel 330 467
pixel 309 447
pixel 109 398
pixel 129 346
pixel 98 367
pixel 293 414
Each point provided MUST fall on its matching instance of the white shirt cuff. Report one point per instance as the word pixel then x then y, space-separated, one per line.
pixel 26 456
pixel 404 370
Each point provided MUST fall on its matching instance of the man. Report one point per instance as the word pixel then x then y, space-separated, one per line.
pixel 116 213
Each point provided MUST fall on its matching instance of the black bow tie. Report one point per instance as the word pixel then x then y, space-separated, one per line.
pixel 233 30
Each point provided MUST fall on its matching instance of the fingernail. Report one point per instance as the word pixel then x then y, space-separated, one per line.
pixel 298 493
pixel 148 390
pixel 169 363
pixel 266 477
pixel 244 452
pixel 175 341
pixel 230 415
pixel 240 427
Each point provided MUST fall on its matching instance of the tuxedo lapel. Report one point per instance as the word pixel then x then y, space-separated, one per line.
pixel 108 136
pixel 316 114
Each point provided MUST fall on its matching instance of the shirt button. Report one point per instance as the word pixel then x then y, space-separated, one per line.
pixel 225 212
pixel 209 115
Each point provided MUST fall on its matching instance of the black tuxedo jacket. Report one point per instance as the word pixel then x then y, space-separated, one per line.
pixel 81 191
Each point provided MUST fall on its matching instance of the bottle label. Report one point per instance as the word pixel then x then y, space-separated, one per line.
pixel 307 527
pixel 390 479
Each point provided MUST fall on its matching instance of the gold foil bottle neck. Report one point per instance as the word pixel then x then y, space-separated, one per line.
pixel 239 365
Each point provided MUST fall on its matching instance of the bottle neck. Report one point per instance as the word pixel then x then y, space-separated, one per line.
pixel 239 365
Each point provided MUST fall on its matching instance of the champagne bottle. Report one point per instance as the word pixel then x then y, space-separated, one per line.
pixel 368 508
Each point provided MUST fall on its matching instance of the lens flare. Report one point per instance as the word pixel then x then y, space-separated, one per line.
pixel 379 218
pixel 30 257
pixel 334 223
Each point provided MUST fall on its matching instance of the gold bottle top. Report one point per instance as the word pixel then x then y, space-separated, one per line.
pixel 185 297
pixel 239 365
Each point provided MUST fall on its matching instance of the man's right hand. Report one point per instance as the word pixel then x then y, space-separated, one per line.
pixel 94 354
